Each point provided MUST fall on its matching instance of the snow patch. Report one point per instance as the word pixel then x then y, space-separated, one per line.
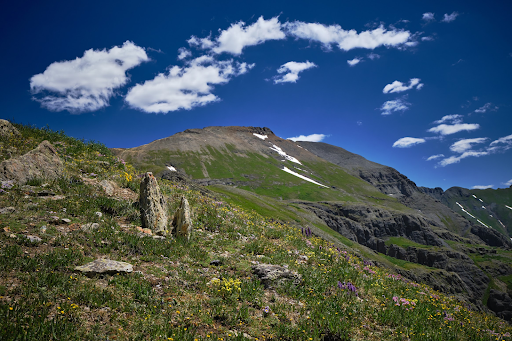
pixel 510 208
pixel 463 210
pixel 171 168
pixel 474 196
pixel 303 177
pixel 480 200
pixel 283 154
pixel 482 223
pixel 263 137
pixel 483 207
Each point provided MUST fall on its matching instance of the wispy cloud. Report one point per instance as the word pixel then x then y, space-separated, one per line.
pixel 309 138
pixel 397 86
pixel 455 159
pixel 463 145
pixel 428 38
pixel 234 39
pixel 392 106
pixel 373 56
pixel 503 142
pixel 450 17
pixel 291 71
pixel 428 16
pixel 508 183
pixel 450 118
pixel 448 129
pixel 183 53
pixel 86 83
pixel 433 157
pixel 184 87
pixel 482 187
pixel 486 107
pixel 406 142
pixel 347 40
pixel 354 61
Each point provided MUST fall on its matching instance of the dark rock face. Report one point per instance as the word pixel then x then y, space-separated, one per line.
pixel 501 304
pixel 41 162
pixel 491 237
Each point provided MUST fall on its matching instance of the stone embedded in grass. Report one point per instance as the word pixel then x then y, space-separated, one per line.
pixel 7 210
pixel 107 187
pixel 271 275
pixel 89 226
pixel 41 162
pixel 153 207
pixel 181 221
pixel 104 266
pixel 34 239
pixel 66 220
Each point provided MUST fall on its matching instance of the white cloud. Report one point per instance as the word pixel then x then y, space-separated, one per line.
pixel 373 56
pixel 482 187
pixel 184 87
pixel 503 142
pixel 429 16
pixel 397 86
pixel 354 61
pixel 450 118
pixel 433 157
pixel 508 183
pixel 393 106
pixel 86 83
pixel 427 38
pixel 291 71
pixel 406 142
pixel 450 17
pixel 309 138
pixel 463 145
pixel 347 40
pixel 448 129
pixel 238 35
pixel 486 107
pixel 183 53
pixel 456 159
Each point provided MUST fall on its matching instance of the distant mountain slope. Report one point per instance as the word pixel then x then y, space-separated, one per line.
pixel 489 207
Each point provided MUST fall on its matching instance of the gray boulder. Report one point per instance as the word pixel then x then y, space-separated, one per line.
pixel 108 187
pixel 7 129
pixel 41 162
pixel 153 207
pixel 182 222
pixel 104 266
pixel 271 275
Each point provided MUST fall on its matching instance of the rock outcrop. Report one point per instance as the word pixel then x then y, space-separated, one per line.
pixel 181 222
pixel 501 304
pixel 153 206
pixel 104 266
pixel 7 129
pixel 41 162
pixel 271 275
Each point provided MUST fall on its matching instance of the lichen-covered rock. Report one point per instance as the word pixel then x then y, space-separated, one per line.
pixel 41 162
pixel 182 222
pixel 271 275
pixel 7 129
pixel 107 187
pixel 153 207
pixel 104 266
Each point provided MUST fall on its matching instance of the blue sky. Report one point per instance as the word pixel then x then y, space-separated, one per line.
pixel 423 87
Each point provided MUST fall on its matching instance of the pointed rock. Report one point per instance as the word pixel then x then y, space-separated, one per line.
pixel 182 222
pixel 153 207
pixel 104 266
pixel 8 130
pixel 41 162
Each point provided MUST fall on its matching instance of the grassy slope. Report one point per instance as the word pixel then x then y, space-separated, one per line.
pixel 176 296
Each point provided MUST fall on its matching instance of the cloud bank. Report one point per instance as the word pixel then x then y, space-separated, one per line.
pixel 86 83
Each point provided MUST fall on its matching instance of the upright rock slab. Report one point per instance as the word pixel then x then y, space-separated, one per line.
pixel 182 222
pixel 153 207
pixel 41 162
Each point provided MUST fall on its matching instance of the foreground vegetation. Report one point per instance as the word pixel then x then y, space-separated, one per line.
pixel 176 292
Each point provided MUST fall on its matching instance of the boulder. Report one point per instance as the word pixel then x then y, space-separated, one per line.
pixel 108 187
pixel 153 207
pixel 501 304
pixel 7 129
pixel 41 162
pixel 271 275
pixel 181 221
pixel 104 266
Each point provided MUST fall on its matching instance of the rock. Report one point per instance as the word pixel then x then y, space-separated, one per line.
pixel 8 130
pixel 270 275
pixel 153 207
pixel 43 229
pixel 99 214
pixel 66 220
pixel 89 226
pixel 104 266
pixel 7 210
pixel 45 193
pixel 501 304
pixel 108 187
pixel 216 262
pixel 34 239
pixel 41 162
pixel 182 222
